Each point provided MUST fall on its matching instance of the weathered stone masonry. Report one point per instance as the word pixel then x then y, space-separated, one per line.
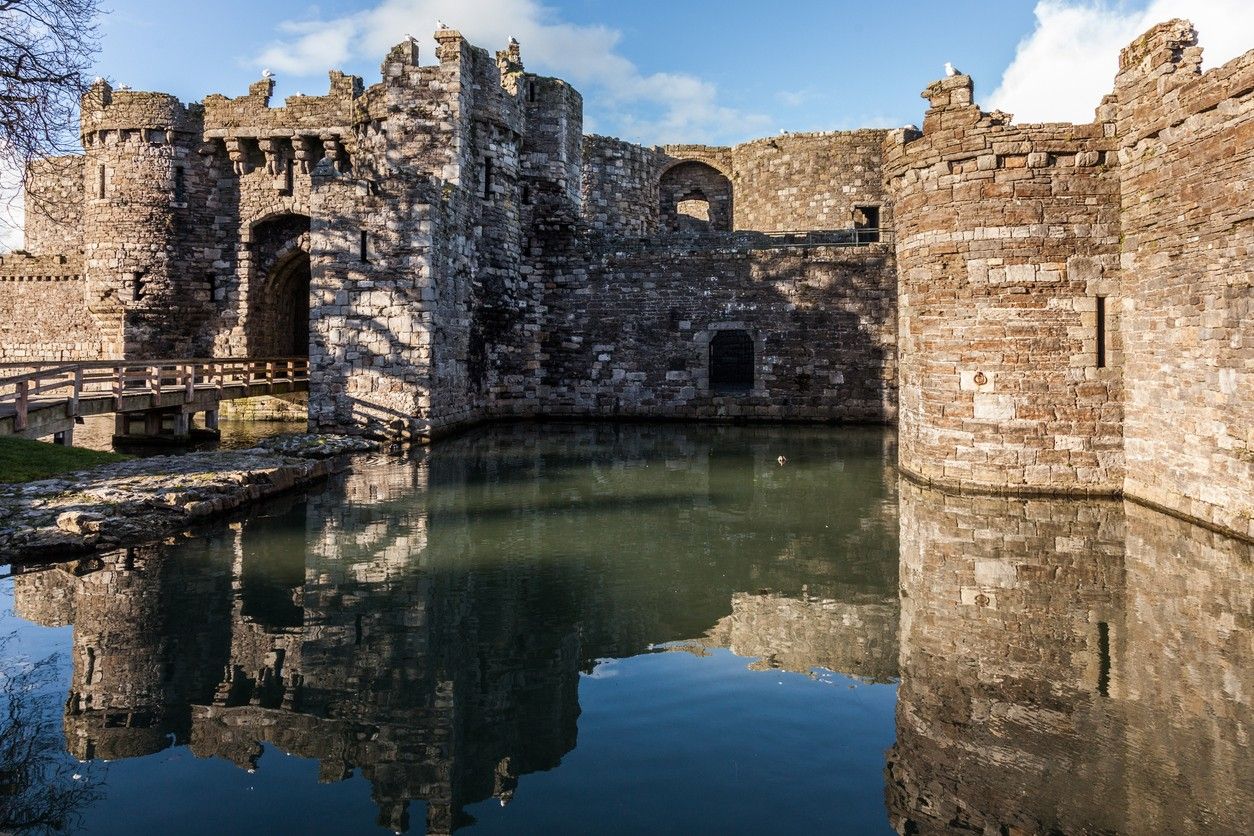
pixel 1048 308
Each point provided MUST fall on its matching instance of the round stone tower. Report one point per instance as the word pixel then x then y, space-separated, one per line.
pixel 1007 250
pixel 141 185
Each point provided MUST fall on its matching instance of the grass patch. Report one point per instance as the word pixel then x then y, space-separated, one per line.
pixel 23 460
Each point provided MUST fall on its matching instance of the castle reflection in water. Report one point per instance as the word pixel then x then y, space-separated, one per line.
pixel 1064 666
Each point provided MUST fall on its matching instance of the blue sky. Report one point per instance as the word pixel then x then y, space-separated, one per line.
pixel 681 71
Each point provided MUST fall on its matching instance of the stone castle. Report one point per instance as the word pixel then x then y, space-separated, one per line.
pixel 1041 308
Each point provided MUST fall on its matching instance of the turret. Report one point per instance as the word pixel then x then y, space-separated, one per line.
pixel 1007 248
pixel 142 184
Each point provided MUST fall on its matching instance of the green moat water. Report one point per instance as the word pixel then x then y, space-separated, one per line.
pixel 559 628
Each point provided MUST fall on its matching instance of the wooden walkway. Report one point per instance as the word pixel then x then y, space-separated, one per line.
pixel 48 399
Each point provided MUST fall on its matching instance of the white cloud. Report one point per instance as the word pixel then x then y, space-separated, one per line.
pixel 794 98
pixel 1067 64
pixel 658 107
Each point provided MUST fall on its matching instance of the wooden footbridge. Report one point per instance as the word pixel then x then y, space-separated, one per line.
pixel 150 398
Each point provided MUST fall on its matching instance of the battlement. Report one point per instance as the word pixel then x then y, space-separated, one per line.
pixel 252 115
pixel 106 109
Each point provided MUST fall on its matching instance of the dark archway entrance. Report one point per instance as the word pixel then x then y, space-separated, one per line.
pixel 279 291
pixel 731 363
pixel 289 289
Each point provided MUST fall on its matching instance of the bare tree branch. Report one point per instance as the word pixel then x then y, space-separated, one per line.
pixel 47 48
pixel 43 790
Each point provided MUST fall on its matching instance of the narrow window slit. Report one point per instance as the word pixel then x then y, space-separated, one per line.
pixel 487 178
pixel 365 247
pixel 1101 332
pixel 1103 658
pixel 180 184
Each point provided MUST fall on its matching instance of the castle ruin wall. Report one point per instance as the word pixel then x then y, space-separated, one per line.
pixel 629 331
pixel 53 211
pixel 1186 168
pixel 448 247
pixel 1007 244
pixel 43 310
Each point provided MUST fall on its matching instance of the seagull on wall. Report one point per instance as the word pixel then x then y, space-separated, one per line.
pixel 949 70
pixel 513 41
pixel 267 74
pixel 439 24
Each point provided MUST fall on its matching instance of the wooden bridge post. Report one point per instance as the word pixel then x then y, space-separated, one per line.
pixel 23 405
pixel 154 385
pixel 71 406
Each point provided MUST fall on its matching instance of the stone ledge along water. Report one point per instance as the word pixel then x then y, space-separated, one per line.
pixel 135 502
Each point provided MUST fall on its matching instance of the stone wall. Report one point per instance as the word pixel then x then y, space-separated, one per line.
pixel 620 186
pixel 808 181
pixel 54 206
pixel 628 332
pixel 1007 236
pixel 694 197
pixel 292 408
pixel 43 311
pixel 789 183
pixel 1187 161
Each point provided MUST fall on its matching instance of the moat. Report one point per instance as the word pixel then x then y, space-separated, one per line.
pixel 569 628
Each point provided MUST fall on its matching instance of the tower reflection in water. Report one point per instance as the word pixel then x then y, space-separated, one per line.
pixel 427 623
pixel 1065 665
pixel 1070 667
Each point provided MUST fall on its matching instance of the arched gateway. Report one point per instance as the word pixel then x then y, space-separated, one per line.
pixel 278 303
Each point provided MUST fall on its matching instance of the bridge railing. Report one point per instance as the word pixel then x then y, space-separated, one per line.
pixel 49 384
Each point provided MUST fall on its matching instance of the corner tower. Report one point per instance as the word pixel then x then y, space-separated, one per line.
pixel 1007 248
pixel 142 193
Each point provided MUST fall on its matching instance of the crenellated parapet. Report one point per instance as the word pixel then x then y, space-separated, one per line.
pixel 107 110
pixel 1008 255
pixel 305 130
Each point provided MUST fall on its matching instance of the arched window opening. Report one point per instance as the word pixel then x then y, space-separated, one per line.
pixel 694 197
pixel 693 213
pixel 731 362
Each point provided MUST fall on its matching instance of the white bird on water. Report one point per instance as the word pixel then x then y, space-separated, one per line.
pixel 949 70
